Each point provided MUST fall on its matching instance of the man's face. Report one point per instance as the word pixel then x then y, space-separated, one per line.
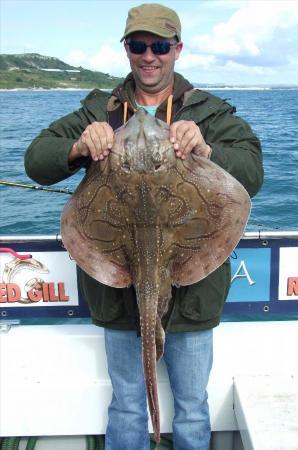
pixel 153 73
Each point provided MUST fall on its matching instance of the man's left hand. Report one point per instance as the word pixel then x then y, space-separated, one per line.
pixel 187 137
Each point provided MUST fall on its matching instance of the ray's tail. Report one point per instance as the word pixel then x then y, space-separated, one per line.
pixel 148 326
pixel 153 303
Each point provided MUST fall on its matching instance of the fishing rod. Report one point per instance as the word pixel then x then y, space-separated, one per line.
pixel 36 187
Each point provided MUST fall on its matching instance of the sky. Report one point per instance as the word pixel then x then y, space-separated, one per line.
pixel 244 42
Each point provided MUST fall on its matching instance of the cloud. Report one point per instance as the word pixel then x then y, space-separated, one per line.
pixel 260 33
pixel 258 40
pixel 190 60
pixel 106 60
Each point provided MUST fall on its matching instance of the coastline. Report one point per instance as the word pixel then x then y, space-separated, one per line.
pixel 49 89
pixel 204 88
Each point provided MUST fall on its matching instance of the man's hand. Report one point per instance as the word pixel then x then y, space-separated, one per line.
pixel 96 141
pixel 187 137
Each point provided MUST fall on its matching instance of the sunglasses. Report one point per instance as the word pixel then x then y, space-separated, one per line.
pixel 158 47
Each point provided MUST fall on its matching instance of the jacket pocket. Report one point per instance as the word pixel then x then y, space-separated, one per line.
pixel 105 303
pixel 204 300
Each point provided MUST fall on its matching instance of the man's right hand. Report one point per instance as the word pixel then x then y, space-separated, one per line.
pixel 96 141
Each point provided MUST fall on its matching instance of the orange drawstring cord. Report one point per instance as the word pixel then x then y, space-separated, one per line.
pixel 169 109
pixel 125 113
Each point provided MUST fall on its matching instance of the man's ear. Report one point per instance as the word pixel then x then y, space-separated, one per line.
pixel 126 48
pixel 178 49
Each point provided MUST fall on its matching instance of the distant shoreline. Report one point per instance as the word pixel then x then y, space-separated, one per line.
pixel 35 72
pixel 48 89
pixel 203 88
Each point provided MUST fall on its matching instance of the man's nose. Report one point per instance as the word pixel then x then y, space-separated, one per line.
pixel 149 55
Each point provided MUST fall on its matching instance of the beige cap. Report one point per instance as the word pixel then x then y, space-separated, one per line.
pixel 154 18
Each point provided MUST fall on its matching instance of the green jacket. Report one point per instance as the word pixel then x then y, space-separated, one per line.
pixel 234 147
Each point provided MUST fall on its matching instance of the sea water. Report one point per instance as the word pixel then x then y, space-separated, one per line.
pixel 272 114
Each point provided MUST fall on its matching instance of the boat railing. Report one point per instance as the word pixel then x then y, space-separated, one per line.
pixel 260 234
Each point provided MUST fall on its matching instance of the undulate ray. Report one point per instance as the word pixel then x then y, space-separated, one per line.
pixel 144 217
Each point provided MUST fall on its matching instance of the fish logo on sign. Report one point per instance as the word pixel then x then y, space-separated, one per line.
pixel 28 291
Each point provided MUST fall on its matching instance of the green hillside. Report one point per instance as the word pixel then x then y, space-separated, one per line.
pixel 31 70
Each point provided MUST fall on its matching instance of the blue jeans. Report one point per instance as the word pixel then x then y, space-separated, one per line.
pixel 188 357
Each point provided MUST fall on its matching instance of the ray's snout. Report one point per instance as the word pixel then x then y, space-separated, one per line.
pixel 142 149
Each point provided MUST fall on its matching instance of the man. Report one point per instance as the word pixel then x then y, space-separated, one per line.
pixel 200 123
